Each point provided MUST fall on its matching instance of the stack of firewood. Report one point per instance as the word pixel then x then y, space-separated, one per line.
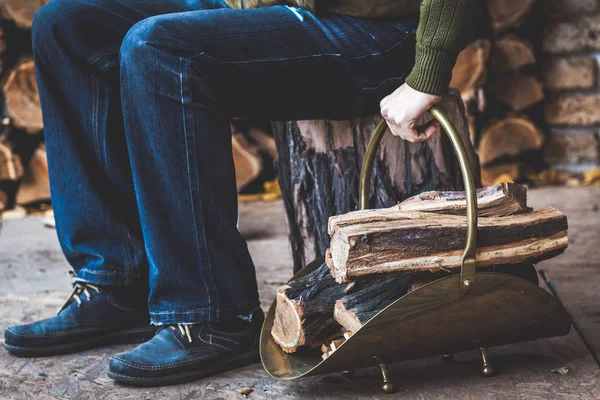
pixel 499 78
pixel 23 167
pixel 377 256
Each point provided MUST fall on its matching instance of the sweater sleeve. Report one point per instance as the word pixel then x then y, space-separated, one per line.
pixel 445 28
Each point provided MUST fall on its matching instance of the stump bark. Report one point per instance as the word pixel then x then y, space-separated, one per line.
pixel 319 169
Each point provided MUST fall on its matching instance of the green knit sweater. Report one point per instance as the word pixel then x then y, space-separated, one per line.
pixel 445 28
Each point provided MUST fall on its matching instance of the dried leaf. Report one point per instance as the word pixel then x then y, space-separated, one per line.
pixel 245 391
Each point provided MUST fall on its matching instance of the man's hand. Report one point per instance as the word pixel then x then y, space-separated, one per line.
pixel 403 108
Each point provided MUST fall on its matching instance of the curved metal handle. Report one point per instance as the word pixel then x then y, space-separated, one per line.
pixel 468 263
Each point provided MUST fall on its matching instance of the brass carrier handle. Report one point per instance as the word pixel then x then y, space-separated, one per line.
pixel 468 262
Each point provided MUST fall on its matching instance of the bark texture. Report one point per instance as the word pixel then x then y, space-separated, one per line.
pixel 319 169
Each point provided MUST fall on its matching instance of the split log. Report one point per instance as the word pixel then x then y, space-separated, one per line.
pixel 519 92
pixel 492 201
pixel 10 164
pixel 35 185
pixel 508 13
pixel 319 168
pixel 511 54
pixel 21 11
pixel 22 98
pixel 418 242
pixel 470 70
pixel 304 313
pixel 509 137
pixel 248 163
pixel 357 308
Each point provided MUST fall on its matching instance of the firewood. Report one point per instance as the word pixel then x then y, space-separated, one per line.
pixel 494 174
pixel 248 163
pixel 35 185
pixel 354 310
pixel 21 11
pixel 509 137
pixel 304 313
pixel 3 201
pixel 519 92
pixel 469 70
pixel 508 13
pixel 265 141
pixel 492 201
pixel 22 98
pixel 10 164
pixel 414 242
pixel 511 54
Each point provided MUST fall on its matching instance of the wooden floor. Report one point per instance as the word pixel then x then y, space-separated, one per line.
pixel 34 283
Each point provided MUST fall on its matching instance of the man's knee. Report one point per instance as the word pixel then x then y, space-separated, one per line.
pixel 70 22
pixel 135 43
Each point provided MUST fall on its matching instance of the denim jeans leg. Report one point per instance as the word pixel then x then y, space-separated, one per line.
pixel 182 75
pixel 76 45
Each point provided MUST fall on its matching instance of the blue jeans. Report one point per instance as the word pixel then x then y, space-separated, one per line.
pixel 136 98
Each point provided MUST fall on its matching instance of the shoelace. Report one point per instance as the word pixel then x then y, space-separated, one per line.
pixel 185 331
pixel 78 289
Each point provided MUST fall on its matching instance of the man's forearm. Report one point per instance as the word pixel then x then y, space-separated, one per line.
pixel 445 28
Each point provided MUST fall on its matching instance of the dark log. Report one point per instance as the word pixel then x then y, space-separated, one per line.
pixel 304 313
pixel 319 168
pixel 370 297
pixel 420 242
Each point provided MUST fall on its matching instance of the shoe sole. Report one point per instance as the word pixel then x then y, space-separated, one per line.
pixel 131 336
pixel 226 365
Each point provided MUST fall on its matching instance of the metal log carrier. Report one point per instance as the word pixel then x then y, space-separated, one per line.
pixel 467 311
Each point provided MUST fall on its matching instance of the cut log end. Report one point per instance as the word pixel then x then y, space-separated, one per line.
pixel 22 98
pixel 511 54
pixel 287 328
pixel 21 12
pixel 519 92
pixel 509 137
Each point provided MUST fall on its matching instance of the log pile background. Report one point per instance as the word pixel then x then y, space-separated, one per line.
pixel 531 114
pixel 23 166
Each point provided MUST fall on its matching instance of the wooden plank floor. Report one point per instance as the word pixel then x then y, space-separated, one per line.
pixel 34 283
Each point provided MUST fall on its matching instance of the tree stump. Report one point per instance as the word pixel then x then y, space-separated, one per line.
pixel 319 169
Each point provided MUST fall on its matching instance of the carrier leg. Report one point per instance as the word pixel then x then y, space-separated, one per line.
pixel 386 386
pixel 486 369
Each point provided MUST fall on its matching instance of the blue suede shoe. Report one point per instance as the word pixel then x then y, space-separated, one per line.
pixel 184 353
pixel 93 316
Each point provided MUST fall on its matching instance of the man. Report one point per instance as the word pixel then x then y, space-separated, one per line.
pixel 136 97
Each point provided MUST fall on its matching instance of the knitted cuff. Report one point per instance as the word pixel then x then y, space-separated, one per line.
pixel 432 71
